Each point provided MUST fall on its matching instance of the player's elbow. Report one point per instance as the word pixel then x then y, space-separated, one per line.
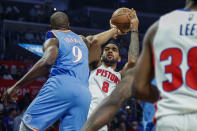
pixel 95 40
pixel 131 62
pixel 49 57
pixel 48 61
pixel 137 90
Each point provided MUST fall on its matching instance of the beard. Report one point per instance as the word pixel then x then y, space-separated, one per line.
pixel 109 62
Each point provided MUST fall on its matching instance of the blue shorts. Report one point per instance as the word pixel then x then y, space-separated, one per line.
pixel 62 97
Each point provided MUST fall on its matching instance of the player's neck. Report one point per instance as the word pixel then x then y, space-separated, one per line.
pixel 191 6
pixel 61 28
pixel 112 66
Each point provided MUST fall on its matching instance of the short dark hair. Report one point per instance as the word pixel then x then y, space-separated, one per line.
pixel 59 20
pixel 110 42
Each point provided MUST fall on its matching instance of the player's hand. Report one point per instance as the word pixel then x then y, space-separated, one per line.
pixel 10 95
pixel 118 32
pixel 134 21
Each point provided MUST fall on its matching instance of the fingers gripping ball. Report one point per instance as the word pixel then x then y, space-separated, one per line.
pixel 120 18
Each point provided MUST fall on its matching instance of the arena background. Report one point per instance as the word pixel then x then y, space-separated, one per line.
pixel 27 21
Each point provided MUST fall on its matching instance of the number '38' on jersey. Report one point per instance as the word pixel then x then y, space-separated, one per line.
pixel 175 54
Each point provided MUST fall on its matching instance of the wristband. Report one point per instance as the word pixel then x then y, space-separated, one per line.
pixel 134 31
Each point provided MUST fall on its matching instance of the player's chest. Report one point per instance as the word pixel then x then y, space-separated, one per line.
pixel 109 76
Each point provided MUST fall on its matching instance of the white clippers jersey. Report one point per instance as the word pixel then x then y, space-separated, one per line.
pixel 175 51
pixel 102 82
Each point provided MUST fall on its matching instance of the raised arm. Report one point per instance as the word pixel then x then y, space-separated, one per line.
pixel 141 87
pixel 50 49
pixel 133 52
pixel 94 44
pixel 135 83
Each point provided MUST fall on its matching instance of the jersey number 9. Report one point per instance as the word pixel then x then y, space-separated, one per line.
pixel 77 53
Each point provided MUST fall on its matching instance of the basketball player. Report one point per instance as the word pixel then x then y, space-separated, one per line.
pixel 104 78
pixel 65 95
pixel 173 41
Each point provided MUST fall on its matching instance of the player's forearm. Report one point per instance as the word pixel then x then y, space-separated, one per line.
pixel 149 93
pixel 131 88
pixel 101 116
pixel 133 53
pixel 103 37
pixel 39 69
pixel 144 91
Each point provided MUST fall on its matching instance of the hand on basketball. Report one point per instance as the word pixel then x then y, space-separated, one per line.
pixel 134 22
pixel 119 32
pixel 11 94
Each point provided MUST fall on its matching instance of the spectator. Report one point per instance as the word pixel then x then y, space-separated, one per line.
pixel 2 70
pixel 2 127
pixel 9 120
pixel 33 14
pixel 8 12
pixel 7 75
pixel 17 122
pixel 122 126
pixel 29 36
pixel 17 119
pixel 18 75
pixel 134 126
pixel 13 70
pixel 1 10
pixel 1 108
pixel 2 56
pixel 11 105
pixel 26 100
pixel 114 124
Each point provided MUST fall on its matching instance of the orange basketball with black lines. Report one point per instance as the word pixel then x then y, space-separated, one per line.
pixel 120 18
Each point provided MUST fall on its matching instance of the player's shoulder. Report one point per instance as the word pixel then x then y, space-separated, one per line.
pixel 171 16
pixel 51 42
pixel 150 34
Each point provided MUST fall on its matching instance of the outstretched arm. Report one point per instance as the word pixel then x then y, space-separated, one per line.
pixel 133 52
pixel 50 49
pixel 94 44
pixel 135 83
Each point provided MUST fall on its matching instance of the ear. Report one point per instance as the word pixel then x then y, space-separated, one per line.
pixel 119 59
pixel 101 58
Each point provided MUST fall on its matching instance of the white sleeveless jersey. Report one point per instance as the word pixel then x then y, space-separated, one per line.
pixel 102 82
pixel 175 55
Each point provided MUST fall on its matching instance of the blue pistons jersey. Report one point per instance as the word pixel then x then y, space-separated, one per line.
pixel 65 95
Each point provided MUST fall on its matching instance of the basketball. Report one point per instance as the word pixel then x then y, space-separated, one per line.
pixel 120 18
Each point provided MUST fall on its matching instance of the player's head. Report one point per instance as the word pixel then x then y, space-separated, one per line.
pixel 59 20
pixel 110 55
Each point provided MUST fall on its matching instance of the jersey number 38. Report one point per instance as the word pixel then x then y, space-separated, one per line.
pixel 175 70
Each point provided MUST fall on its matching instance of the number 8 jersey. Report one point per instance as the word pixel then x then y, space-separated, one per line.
pixel 102 82
pixel 175 57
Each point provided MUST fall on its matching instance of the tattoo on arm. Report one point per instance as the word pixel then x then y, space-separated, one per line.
pixel 134 45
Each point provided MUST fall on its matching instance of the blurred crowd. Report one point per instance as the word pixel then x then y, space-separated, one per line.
pixel 11 113
pixel 40 13
pixel 16 72
pixel 24 12
pixel 127 119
